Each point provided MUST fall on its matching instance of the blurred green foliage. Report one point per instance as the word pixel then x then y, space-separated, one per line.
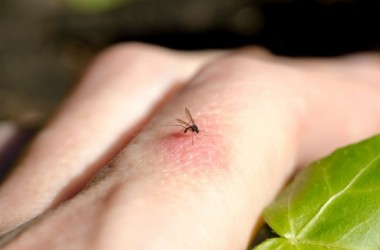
pixel 92 6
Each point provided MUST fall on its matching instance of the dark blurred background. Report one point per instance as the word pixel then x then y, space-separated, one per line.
pixel 45 44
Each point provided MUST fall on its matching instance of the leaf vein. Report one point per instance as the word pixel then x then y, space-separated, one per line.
pixel 291 225
pixel 327 245
pixel 325 180
pixel 280 246
pixel 333 198
pixel 345 235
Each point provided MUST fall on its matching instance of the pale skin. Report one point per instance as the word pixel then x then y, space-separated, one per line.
pixel 260 117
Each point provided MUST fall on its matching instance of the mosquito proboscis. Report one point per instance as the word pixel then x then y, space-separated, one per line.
pixel 190 125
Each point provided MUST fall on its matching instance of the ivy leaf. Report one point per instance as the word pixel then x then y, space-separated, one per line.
pixel 333 204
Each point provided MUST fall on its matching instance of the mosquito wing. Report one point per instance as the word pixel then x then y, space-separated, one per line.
pixel 183 122
pixel 188 115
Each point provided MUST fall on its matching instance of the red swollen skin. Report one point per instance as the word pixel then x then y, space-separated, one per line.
pixel 193 151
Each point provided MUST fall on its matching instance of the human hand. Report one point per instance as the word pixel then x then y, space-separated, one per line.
pixel 260 118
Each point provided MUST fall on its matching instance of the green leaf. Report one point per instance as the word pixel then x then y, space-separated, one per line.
pixel 333 204
pixel 285 244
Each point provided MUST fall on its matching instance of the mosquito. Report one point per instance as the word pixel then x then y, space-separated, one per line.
pixel 190 125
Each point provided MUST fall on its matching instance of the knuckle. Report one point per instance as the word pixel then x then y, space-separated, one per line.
pixel 232 68
pixel 135 57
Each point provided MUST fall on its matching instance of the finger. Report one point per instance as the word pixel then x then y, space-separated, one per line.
pixel 352 80
pixel 210 195
pixel 350 68
pixel 114 99
pixel 350 73
pixel 177 194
